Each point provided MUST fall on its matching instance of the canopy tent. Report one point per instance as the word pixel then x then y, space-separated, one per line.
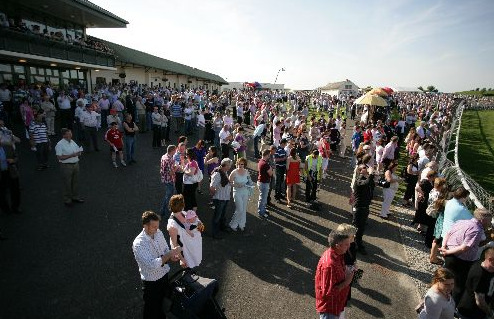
pixel 371 99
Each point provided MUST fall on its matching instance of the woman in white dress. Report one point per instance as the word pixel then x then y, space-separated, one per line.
pixel 191 245
pixel 389 192
pixel 240 180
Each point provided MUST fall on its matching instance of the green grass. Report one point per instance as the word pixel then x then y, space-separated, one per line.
pixel 477 93
pixel 476 148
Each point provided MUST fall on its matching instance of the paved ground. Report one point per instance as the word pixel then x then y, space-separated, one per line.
pixel 77 262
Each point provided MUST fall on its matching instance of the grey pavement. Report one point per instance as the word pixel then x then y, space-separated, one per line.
pixel 77 262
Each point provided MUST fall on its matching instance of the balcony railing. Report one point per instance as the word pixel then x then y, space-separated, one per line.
pixel 27 43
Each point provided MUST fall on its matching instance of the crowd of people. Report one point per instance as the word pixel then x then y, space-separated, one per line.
pixel 292 143
pixel 56 34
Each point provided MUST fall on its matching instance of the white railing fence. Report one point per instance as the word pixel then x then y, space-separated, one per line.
pixel 452 171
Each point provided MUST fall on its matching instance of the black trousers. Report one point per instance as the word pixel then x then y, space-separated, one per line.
pixel 9 184
pixel 280 179
pixel 153 294
pixel 190 196
pixel 179 182
pixel 156 135
pixel 66 119
pixel 91 135
pixel 359 221
pixel 225 151
pixel 310 189
pixel 460 269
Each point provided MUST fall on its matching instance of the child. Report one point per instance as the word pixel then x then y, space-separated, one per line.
pixel 114 137
pixel 192 248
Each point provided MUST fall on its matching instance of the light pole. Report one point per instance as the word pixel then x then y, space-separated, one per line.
pixel 280 70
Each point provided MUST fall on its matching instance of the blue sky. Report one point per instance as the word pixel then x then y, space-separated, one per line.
pixel 448 44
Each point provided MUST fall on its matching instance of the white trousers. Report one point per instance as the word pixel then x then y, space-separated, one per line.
pixel 388 195
pixel 239 217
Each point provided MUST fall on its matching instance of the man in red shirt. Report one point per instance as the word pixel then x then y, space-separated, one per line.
pixel 333 278
pixel 114 137
pixel 263 181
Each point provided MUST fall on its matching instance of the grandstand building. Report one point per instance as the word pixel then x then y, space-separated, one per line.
pixel 46 42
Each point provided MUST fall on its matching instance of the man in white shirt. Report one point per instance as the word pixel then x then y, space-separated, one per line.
pixel 65 110
pixel 201 124
pixel 68 153
pixel 152 255
pixel 225 137
pixel 89 121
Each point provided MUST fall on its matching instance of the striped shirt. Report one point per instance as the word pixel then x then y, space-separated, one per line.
pixel 466 232
pixel 176 110
pixel 38 132
pixel 280 157
pixel 222 193
pixel 148 252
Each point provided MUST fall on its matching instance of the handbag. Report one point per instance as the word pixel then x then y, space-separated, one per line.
pixel 432 211
pixel 383 182
pixel 198 176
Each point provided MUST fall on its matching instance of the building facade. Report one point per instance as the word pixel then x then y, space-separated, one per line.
pixel 46 42
pixel 346 87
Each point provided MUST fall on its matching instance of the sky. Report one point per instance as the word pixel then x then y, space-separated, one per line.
pixel 407 43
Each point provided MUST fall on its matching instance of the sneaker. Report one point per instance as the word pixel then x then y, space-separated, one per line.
pixel 115 165
pixel 263 215
pixel 123 163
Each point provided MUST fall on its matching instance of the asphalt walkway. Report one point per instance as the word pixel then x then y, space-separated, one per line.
pixel 77 262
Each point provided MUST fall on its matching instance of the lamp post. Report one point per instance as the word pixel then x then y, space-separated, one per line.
pixel 280 70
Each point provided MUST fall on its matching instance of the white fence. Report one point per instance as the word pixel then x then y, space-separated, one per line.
pixel 455 176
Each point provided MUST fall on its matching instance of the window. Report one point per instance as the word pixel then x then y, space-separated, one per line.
pixel 33 70
pixel 5 68
pixel 5 77
pixel 18 69
pixel 73 74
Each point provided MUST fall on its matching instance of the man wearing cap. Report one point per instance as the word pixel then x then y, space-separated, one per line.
pixel 68 153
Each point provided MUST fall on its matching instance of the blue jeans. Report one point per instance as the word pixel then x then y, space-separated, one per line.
pixel 263 198
pixel 169 191
pixel 129 148
pixel 219 218
pixel 325 315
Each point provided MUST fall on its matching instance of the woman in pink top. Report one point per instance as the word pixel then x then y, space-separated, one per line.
pixel 27 114
pixel 277 133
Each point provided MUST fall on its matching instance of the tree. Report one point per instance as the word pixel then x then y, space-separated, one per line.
pixel 432 88
pixel 477 89
pixel 421 88
pixel 483 90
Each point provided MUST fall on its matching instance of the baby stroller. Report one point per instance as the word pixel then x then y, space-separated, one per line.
pixel 192 297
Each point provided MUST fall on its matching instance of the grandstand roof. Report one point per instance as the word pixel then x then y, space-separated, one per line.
pixel 128 55
pixel 81 12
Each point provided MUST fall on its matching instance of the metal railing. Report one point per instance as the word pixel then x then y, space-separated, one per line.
pixel 451 169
